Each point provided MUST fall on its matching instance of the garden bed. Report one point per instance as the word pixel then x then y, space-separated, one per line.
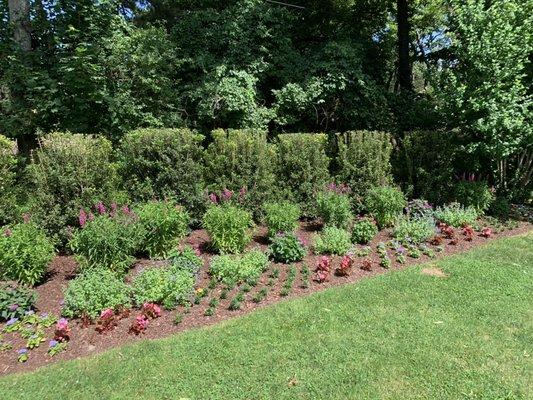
pixel 85 340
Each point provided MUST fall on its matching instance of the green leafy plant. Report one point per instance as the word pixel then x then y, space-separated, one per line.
pixel 15 301
pixel 231 269
pixel 228 227
pixel 164 225
pixel 186 259
pixel 260 295
pixel 305 274
pixel 168 286
pixel 385 204
pixel 281 217
pixel 334 206
pixel 456 215
pixel 475 194
pixel 419 208
pixel 364 231
pixel 107 240
pixel 287 248
pixel 25 253
pixel 333 240
pixel 8 164
pixel 93 291
pixel 414 230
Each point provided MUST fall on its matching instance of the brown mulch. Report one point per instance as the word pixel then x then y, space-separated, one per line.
pixel 86 341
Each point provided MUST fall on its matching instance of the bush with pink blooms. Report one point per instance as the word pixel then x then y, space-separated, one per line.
pixel 108 239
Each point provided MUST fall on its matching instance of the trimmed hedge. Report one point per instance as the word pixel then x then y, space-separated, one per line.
pixel 70 172
pixel 242 158
pixel 363 161
pixel 163 163
pixel 303 168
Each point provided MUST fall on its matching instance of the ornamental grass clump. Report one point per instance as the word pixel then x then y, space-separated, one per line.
pixel 25 252
pixel 228 227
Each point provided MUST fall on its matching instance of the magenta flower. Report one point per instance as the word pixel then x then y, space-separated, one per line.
pixel 126 210
pixel 82 218
pixel 100 208
pixel 8 232
pixel 242 193
pixel 226 194
pixel 213 197
pixel 91 217
pixel 107 314
pixel 26 217
pixel 62 325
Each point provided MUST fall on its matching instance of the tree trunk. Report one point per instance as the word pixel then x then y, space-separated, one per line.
pixel 405 75
pixel 19 15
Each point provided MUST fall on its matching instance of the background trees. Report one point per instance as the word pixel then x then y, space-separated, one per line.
pixel 332 65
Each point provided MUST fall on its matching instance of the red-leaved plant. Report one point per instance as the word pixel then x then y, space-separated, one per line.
pixel 366 264
pixel 323 270
pixel 139 325
pixel 345 267
pixel 468 231
pixel 62 331
pixel 446 230
pixel 486 232
pixel 151 310
pixel 436 240
pixel 106 322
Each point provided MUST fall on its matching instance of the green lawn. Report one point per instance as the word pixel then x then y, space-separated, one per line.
pixel 402 335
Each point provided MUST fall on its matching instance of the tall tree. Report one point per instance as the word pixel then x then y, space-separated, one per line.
pixel 405 74
pixel 19 15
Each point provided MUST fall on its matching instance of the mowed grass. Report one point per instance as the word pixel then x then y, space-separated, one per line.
pixel 402 335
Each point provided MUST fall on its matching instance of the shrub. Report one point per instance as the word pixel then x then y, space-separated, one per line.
pixel 15 301
pixel 25 253
pixel 287 248
pixel 303 168
pixel 426 164
pixel 94 291
pixel 163 163
pixel 242 158
pixel 164 225
pixel 8 164
pixel 168 286
pixel 107 240
pixel 364 231
pixel 500 208
pixel 475 194
pixel 385 204
pixel 232 269
pixel 363 161
pixel 334 207
pixel 414 230
pixel 333 240
pixel 70 172
pixel 228 227
pixel 456 215
pixel 281 217
pixel 419 208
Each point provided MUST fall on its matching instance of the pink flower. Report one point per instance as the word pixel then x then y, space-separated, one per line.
pixel 226 194
pixel 62 324
pixel 126 210
pixel 151 310
pixel 8 232
pixel 100 208
pixel 82 217
pixel 91 216
pixel 213 197
pixel 242 193
pixel 107 314
pixel 142 321
pixel 26 217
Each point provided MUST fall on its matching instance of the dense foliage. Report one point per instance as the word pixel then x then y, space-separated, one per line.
pixel 334 207
pixel 25 253
pixel 287 248
pixel 332 240
pixel 228 227
pixel 232 269
pixel 281 217
pixel 385 204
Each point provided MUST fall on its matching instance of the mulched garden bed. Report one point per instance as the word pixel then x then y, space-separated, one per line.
pixel 85 340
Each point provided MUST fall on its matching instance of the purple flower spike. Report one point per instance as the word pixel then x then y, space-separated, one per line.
pixel 226 194
pixel 213 197
pixel 13 307
pixel 22 351
pixel 12 321
pixel 82 217
pixel 100 208
pixel 53 343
